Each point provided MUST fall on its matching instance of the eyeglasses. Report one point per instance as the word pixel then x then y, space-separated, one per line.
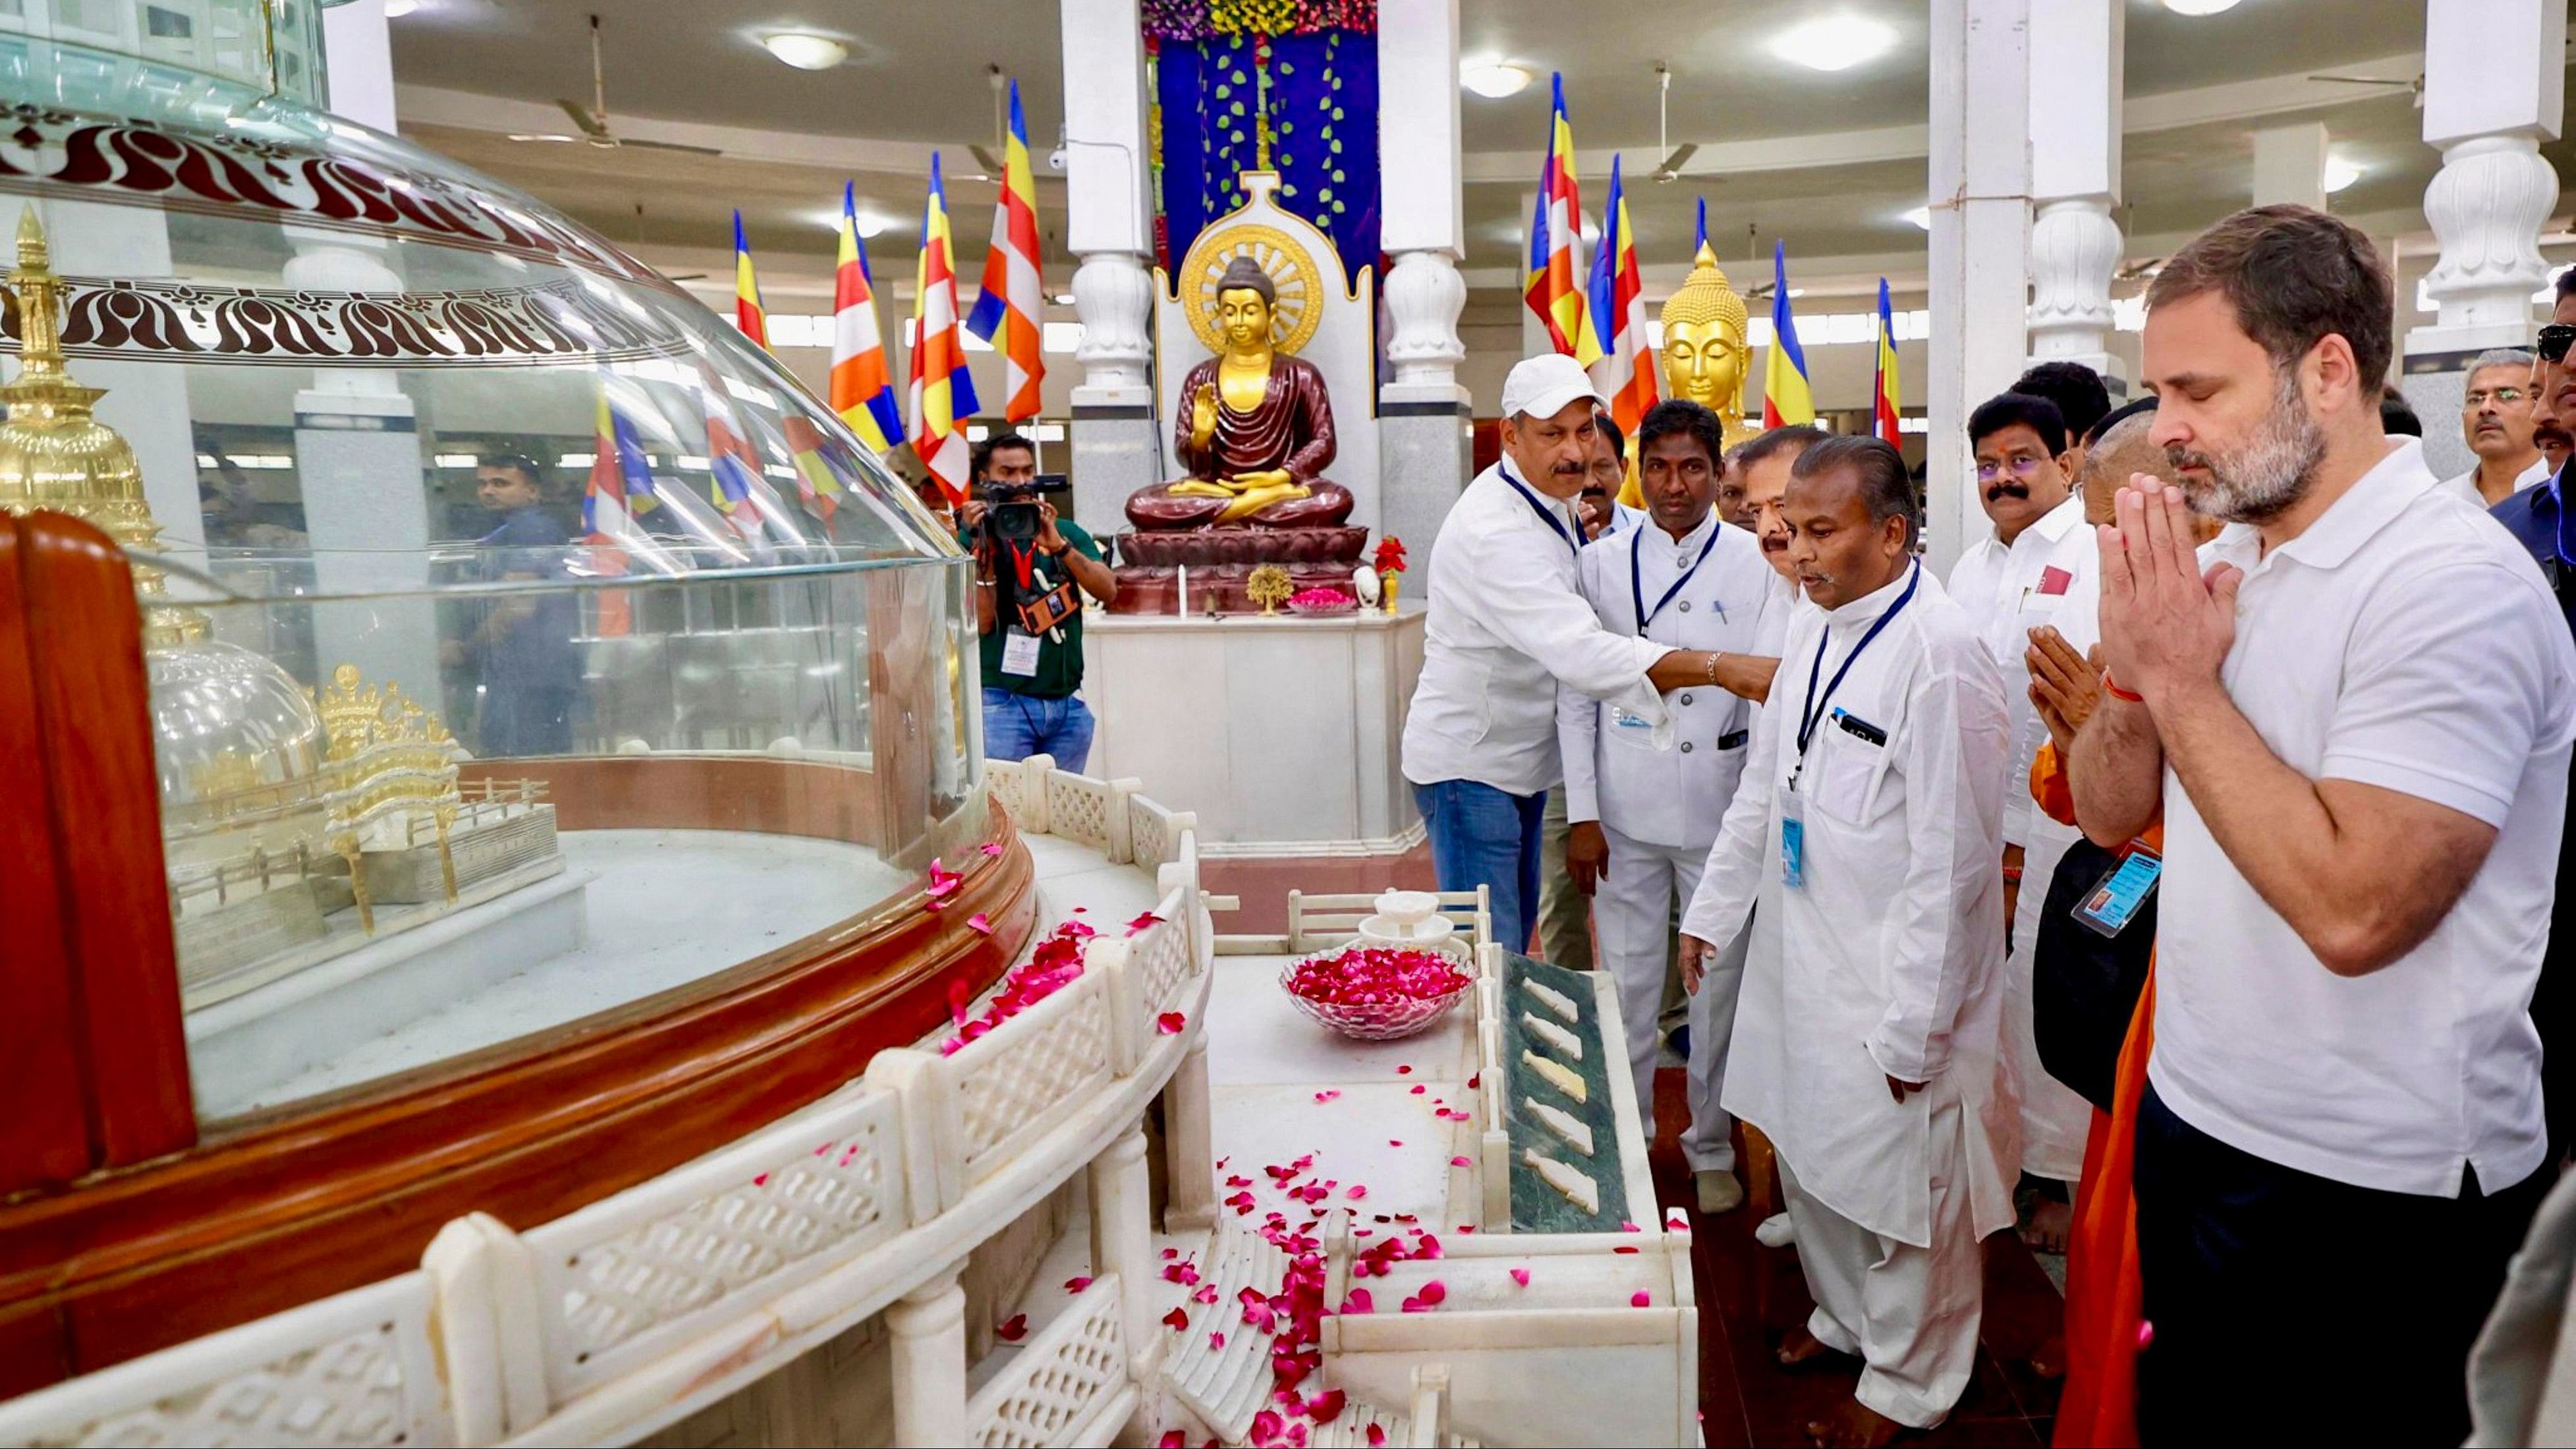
pixel 2502 396
pixel 2018 467
pixel 2554 340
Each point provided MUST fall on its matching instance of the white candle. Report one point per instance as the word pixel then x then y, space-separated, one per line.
pixel 1181 606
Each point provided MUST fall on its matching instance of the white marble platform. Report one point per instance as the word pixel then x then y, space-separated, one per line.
pixel 1283 734
pixel 662 908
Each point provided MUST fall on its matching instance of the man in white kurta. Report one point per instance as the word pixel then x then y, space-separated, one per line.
pixel 2016 579
pixel 1862 843
pixel 1651 813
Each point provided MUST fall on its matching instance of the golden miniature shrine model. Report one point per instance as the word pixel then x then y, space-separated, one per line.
pixel 278 807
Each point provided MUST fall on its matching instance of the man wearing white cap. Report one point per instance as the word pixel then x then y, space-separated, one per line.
pixel 1507 624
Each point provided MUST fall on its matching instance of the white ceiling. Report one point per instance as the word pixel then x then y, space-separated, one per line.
pixel 473 69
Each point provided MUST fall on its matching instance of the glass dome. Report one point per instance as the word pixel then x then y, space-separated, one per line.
pixel 547 646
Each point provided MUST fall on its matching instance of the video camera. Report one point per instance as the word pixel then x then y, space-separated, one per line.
pixel 1011 512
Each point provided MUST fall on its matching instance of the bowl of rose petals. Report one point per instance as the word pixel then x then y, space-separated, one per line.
pixel 1322 601
pixel 1374 993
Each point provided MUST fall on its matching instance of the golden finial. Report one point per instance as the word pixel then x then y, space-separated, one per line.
pixel 55 455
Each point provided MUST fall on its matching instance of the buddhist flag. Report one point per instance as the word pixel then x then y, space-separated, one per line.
pixel 747 312
pixel 620 487
pixel 1626 372
pixel 862 385
pixel 1699 234
pixel 732 466
pixel 1883 390
pixel 816 483
pixel 1555 225
pixel 1785 395
pixel 941 393
pixel 1013 304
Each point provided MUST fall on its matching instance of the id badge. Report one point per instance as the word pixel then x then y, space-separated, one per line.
pixel 1793 842
pixel 1019 654
pixel 2109 907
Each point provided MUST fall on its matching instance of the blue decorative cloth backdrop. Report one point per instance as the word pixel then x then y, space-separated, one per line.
pixel 1323 112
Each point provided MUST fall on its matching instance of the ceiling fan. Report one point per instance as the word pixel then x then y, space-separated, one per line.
pixel 990 157
pixel 2416 85
pixel 1674 157
pixel 592 120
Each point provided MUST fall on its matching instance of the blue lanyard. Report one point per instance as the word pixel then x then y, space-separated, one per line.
pixel 1636 581
pixel 1545 514
pixel 1814 711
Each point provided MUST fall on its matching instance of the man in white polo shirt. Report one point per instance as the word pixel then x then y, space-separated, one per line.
pixel 1505 626
pixel 2357 723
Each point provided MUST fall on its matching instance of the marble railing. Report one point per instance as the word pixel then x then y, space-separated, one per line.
pixel 625 1316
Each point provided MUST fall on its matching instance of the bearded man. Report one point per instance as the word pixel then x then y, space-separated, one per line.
pixel 2355 709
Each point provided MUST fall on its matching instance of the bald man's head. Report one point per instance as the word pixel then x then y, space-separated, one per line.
pixel 2121 450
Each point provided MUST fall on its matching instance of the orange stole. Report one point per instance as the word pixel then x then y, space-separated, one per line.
pixel 2099 1405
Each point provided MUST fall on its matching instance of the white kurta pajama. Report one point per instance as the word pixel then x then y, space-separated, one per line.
pixel 1886 961
pixel 2006 592
pixel 1659 808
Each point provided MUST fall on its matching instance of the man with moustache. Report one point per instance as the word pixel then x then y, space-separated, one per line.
pixel 1763 465
pixel 1505 628
pixel 2495 421
pixel 1861 846
pixel 1565 912
pixel 2009 583
pixel 2355 711
pixel 1643 818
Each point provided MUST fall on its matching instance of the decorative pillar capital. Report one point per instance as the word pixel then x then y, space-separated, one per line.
pixel 2487 205
pixel 1113 294
pixel 1424 296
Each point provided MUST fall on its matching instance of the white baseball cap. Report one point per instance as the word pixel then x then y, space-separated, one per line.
pixel 1545 385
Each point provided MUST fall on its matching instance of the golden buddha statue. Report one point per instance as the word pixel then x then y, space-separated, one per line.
pixel 1704 344
pixel 1255 429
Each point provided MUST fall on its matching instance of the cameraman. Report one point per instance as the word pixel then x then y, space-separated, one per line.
pixel 1028 567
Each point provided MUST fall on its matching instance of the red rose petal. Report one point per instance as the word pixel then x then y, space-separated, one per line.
pixel 1460 1162
pixel 1325 1407
pixel 992 848
pixel 1327 1095
pixel 1216 1340
pixel 1641 1299
pixel 1076 1285
pixel 1177 1320
pixel 1435 1291
pixel 1376 1436
pixel 1521 1276
pixel 1173 1439
pixel 980 923
pixel 1404 1071
pixel 1012 1329
pixel 1171 1023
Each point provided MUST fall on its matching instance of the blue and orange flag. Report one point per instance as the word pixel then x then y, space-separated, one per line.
pixel 1883 391
pixel 620 489
pixel 862 385
pixel 747 311
pixel 1786 398
pixel 1012 310
pixel 1626 372
pixel 1556 223
pixel 940 394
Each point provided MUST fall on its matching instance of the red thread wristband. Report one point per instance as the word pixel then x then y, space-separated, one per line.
pixel 2112 688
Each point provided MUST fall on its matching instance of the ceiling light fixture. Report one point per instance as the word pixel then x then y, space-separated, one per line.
pixel 2338 175
pixel 2199 7
pixel 807 52
pixel 397 9
pixel 1493 79
pixel 871 224
pixel 523 136
pixel 1837 42
pixel 1921 216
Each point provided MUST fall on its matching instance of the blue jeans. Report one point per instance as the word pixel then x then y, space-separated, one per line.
pixel 1017 726
pixel 1481 836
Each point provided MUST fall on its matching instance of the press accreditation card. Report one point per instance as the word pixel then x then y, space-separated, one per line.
pixel 1019 653
pixel 2111 905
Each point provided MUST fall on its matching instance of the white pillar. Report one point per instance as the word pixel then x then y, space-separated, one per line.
pixel 357 46
pixel 1116 444
pixel 2290 165
pixel 2075 91
pixel 1423 415
pixel 2494 90
pixel 1980 244
pixel 1122 1242
pixel 1189 1145
pixel 928 1327
pixel 366 511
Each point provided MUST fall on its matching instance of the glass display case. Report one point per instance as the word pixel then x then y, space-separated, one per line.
pixel 523 643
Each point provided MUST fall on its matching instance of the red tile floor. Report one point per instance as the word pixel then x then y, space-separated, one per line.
pixel 1750 1295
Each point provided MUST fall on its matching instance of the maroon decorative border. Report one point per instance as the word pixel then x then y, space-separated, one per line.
pixel 55 151
pixel 553 323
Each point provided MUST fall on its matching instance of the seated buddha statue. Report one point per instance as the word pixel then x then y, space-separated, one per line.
pixel 1704 344
pixel 1254 428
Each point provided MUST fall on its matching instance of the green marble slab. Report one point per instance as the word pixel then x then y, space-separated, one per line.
pixel 1537 1207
